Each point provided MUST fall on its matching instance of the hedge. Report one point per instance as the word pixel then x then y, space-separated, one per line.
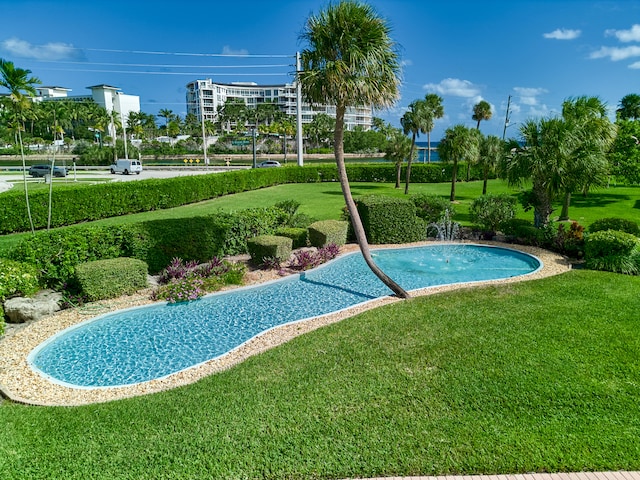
pixel 613 251
pixel 263 247
pixel 324 232
pixel 390 220
pixel 103 279
pixel 72 205
pixel 618 224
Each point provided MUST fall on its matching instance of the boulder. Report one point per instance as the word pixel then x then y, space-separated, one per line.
pixel 21 309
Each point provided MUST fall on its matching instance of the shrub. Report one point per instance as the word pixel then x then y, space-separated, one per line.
pixel 325 232
pixel 390 220
pixel 182 290
pixel 269 246
pixel 307 259
pixel 297 235
pixel 523 231
pixel 570 241
pixel 17 278
pixel 613 251
pixel 102 279
pixel 618 224
pixel 490 211
pixel 431 208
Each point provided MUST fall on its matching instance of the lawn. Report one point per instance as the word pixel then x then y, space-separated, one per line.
pixel 324 201
pixel 528 377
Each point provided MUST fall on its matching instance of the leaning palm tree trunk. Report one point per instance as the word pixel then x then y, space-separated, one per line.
pixel 24 179
pixel 356 222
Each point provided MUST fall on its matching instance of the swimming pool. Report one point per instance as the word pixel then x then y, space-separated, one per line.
pixel 145 343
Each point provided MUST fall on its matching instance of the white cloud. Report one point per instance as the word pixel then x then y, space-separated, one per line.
pixel 49 51
pixel 529 96
pixel 631 35
pixel 635 66
pixel 455 87
pixel 227 50
pixel 406 63
pixel 563 34
pixel 617 53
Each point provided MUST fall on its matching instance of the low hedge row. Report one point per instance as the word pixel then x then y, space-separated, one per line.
pixel 72 205
pixel 110 278
pixel 57 253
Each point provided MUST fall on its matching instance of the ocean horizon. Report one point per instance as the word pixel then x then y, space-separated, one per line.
pixel 422 152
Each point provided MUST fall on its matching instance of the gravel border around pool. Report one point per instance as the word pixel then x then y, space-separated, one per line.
pixel 19 383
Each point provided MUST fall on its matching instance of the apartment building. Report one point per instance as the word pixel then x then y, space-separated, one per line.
pixel 204 98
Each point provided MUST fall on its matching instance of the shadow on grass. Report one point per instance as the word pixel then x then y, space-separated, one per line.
pixel 359 190
pixel 593 200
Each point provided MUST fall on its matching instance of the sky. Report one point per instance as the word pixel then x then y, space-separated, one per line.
pixel 530 55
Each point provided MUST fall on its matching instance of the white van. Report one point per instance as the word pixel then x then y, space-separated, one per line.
pixel 126 166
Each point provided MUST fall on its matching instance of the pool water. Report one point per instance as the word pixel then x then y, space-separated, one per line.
pixel 145 343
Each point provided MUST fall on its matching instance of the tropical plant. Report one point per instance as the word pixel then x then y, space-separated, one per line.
pixel 491 150
pixel 433 110
pixel 414 121
pixel 481 111
pixel 624 155
pixel 629 108
pixel 350 60
pixel 21 86
pixel 399 148
pixel 459 144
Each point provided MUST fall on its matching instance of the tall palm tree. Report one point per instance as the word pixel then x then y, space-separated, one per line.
pixel 21 86
pixel 481 111
pixel 415 122
pixel 167 115
pixel 350 60
pixel 459 143
pixel 629 108
pixel 491 150
pixel 433 111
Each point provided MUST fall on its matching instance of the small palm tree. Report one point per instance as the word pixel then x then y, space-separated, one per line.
pixel 629 108
pixel 459 144
pixel 415 122
pixel 491 151
pixel 433 110
pixel 481 111
pixel 398 149
pixel 21 86
pixel 350 60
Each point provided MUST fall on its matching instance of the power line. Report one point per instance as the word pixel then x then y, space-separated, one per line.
pixel 187 54
pixel 167 73
pixel 155 65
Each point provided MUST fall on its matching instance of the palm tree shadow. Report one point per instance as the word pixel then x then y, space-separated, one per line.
pixel 304 278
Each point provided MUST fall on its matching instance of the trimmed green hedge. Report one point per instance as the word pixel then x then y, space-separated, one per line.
pixel 78 204
pixel 613 251
pixel 324 232
pixel 269 246
pixel 298 235
pixel 390 220
pixel 111 278
pixel 613 223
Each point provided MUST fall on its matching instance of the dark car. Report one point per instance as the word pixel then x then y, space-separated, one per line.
pixel 268 163
pixel 42 170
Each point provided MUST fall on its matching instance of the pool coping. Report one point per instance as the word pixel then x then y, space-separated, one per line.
pixel 20 383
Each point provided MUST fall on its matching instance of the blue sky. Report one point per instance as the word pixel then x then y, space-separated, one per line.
pixel 539 52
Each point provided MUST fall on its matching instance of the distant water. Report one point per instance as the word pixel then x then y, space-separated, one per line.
pixel 422 152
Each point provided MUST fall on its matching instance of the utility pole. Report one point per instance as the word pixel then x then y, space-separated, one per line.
pixel 299 110
pixel 506 119
pixel 204 138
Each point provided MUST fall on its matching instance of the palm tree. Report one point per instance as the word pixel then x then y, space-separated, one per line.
pixel 587 165
pixel 167 115
pixel 398 148
pixel 491 150
pixel 629 107
pixel 351 60
pixel 433 110
pixel 459 143
pixel 21 86
pixel 481 111
pixel 413 121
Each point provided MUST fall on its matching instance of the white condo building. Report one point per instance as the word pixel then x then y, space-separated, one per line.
pixel 204 97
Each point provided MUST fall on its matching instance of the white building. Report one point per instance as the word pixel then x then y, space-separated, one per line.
pixel 205 98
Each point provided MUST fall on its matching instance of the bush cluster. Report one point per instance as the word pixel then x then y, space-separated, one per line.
pixel 269 247
pixel 16 278
pixel 103 279
pixel 613 251
pixel 490 212
pixel 390 220
pixel 618 224
pixel 431 208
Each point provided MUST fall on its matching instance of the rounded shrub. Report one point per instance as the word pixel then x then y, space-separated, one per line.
pixel 431 208
pixel 17 278
pixel 490 212
pixel 613 251
pixel 613 223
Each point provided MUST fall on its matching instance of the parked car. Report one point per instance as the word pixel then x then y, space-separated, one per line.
pixel 126 166
pixel 42 170
pixel 268 163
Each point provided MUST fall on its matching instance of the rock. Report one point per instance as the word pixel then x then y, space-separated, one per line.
pixel 21 309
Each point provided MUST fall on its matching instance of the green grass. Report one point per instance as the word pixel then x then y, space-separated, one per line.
pixel 529 377
pixel 324 201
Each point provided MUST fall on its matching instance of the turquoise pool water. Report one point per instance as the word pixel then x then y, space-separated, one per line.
pixel 145 343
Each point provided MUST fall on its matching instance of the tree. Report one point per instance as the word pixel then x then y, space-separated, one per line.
pixel 629 108
pixel 594 133
pixel 398 149
pixel 21 86
pixel 624 157
pixel 320 130
pixel 481 111
pixel 491 150
pixel 459 144
pixel 350 60
pixel 433 111
pixel 415 122
pixel 167 115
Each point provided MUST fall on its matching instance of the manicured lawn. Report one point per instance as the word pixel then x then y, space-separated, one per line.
pixel 529 377
pixel 324 201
